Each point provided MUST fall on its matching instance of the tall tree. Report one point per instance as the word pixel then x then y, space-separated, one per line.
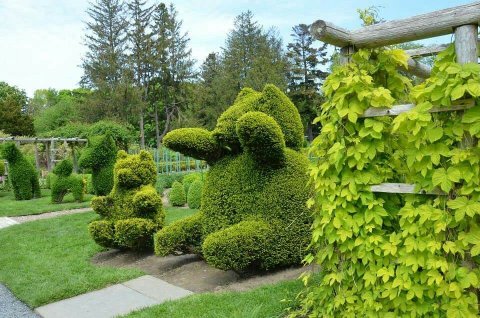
pixel 141 38
pixel 173 67
pixel 41 100
pixel 13 111
pixel 305 75
pixel 252 57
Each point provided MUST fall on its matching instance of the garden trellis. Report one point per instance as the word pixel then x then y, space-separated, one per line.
pixel 50 146
pixel 462 21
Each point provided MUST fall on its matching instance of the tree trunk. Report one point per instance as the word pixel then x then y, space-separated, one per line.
pixel 142 130
pixel 157 129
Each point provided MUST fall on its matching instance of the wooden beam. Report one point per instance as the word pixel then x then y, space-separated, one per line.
pixel 418 69
pixel 42 140
pixel 398 109
pixel 402 188
pixel 430 50
pixel 419 27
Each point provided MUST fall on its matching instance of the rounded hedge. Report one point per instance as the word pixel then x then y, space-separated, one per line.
pixel 133 210
pixel 177 194
pixel 188 179
pixel 194 197
pixel 21 173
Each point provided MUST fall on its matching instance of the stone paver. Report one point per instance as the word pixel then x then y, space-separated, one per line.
pixel 115 300
pixel 6 222
pixel 11 307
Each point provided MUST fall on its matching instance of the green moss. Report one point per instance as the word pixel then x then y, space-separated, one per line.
pixel 133 207
pixel 254 198
pixel 177 195
pixel 99 156
pixel 194 197
pixel 22 174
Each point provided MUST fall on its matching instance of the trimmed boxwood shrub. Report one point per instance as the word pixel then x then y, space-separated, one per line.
pixel 133 210
pixel 65 182
pixel 194 196
pixel 188 179
pixel 253 206
pixel 99 156
pixel 177 194
pixel 21 173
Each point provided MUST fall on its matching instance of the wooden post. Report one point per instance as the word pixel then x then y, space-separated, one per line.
pixel 52 153
pixel 74 158
pixel 345 54
pixel 466 49
pixel 37 159
pixel 47 155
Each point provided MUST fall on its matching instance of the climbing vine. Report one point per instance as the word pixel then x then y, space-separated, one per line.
pixel 390 255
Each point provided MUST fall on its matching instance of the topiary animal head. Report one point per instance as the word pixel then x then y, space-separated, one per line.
pixel 100 152
pixel 64 168
pixel 261 123
pixel 133 171
pixel 11 152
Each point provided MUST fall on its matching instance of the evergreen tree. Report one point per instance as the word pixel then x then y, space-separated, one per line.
pixel 141 39
pixel 305 76
pixel 106 40
pixel 252 57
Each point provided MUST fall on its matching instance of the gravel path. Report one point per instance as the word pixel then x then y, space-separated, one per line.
pixel 48 215
pixel 11 307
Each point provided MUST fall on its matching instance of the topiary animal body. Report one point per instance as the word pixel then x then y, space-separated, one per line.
pixel 253 210
pixel 66 182
pixel 133 210
pixel 21 173
pixel 100 157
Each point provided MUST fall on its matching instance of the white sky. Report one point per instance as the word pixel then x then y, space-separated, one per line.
pixel 41 41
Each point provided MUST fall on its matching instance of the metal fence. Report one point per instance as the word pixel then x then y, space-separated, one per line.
pixel 168 161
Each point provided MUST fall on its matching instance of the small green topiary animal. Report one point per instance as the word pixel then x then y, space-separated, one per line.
pixel 21 173
pixel 65 182
pixel 177 195
pixel 100 157
pixel 133 210
pixel 253 210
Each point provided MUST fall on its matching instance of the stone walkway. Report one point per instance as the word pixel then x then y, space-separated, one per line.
pixel 12 220
pixel 6 222
pixel 115 300
pixel 11 307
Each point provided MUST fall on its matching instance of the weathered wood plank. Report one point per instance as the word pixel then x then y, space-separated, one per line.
pixel 41 140
pixel 418 69
pixel 402 188
pixel 398 109
pixel 415 28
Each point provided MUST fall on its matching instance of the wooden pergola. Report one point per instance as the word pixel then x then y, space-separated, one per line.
pixel 462 21
pixel 51 150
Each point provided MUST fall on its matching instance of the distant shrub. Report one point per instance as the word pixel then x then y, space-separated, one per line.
pixel 177 194
pixel 87 179
pixel 21 173
pixel 194 196
pixel 66 182
pixel 189 179
pixel 2 168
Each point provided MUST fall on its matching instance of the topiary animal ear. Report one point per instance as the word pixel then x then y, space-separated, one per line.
pixel 145 155
pixel 122 154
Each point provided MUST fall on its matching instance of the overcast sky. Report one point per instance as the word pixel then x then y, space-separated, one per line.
pixel 41 41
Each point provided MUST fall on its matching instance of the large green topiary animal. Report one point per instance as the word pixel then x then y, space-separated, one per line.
pixel 133 210
pixel 100 157
pixel 253 211
pixel 66 182
pixel 21 173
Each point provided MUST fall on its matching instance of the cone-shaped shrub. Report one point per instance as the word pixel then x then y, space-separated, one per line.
pixel 177 194
pixel 194 196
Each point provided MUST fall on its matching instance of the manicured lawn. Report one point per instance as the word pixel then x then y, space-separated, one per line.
pixel 48 260
pixel 257 303
pixel 173 214
pixel 10 207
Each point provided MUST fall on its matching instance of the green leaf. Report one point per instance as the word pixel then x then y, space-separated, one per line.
pixel 471 115
pixel 458 92
pixel 473 88
pixel 441 178
pixel 435 134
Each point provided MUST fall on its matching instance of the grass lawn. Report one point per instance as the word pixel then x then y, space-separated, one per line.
pixel 257 303
pixel 10 207
pixel 48 260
